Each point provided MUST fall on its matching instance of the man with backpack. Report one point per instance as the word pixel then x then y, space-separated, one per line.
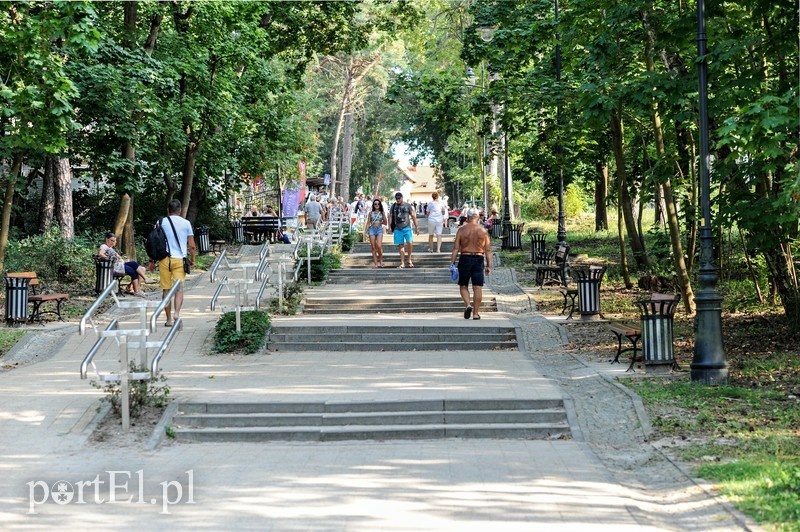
pixel 401 216
pixel 180 242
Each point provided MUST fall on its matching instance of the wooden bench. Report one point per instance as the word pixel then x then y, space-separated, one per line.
pixel 551 266
pixel 37 299
pixel 217 246
pixel 258 228
pixel 633 334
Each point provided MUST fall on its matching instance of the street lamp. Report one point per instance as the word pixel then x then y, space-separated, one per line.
pixel 708 364
pixel 482 156
pixel 486 34
pixel 562 224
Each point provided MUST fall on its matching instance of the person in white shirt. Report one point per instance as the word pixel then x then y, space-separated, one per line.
pixel 180 240
pixel 437 219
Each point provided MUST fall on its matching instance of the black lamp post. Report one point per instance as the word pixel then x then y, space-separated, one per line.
pixel 708 364
pixel 486 34
pixel 562 224
pixel 506 220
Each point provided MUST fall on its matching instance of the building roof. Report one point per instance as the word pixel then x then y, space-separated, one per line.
pixel 419 182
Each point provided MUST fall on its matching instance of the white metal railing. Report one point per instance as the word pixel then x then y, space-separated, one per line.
pixel 122 338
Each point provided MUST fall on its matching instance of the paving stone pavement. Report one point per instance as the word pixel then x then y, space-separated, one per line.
pixel 606 478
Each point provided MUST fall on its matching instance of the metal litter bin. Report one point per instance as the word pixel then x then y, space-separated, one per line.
pixel 237 231
pixel 538 243
pixel 16 299
pixel 657 318
pixel 513 237
pixel 497 229
pixel 203 242
pixel 103 274
pixel 588 279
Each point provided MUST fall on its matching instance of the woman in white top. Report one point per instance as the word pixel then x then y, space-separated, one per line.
pixel 437 219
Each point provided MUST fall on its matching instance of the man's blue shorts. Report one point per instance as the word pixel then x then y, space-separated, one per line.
pixel 470 268
pixel 401 236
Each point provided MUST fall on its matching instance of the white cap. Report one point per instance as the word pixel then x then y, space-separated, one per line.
pixel 472 213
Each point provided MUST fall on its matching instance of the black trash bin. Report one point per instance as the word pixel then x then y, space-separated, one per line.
pixel 513 237
pixel 16 299
pixel 657 318
pixel 237 231
pixel 203 242
pixel 588 279
pixel 103 274
pixel 497 229
pixel 538 244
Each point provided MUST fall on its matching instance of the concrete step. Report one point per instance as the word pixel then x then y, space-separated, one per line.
pixel 415 419
pixel 389 276
pixel 420 246
pixel 397 345
pixel 373 418
pixel 392 306
pixel 421 260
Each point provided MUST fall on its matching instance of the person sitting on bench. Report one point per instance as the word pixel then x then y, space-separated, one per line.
pixel 132 268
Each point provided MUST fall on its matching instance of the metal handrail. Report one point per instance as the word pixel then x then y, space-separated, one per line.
pixel 217 292
pixel 166 300
pixel 265 250
pixel 87 317
pixel 164 345
pixel 95 348
pixel 217 264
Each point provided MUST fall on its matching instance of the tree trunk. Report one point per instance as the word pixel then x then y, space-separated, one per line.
pixel 63 195
pixel 190 158
pixel 8 205
pixel 600 193
pixel 343 106
pixel 198 197
pixel 780 263
pixel 625 203
pixel 623 252
pixel 347 155
pixel 47 204
pixel 681 272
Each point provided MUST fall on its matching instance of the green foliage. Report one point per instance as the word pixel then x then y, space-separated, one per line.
pixel 320 267
pixel 255 325
pixel 53 258
pixel 142 394
pixel 348 239
pixel 292 297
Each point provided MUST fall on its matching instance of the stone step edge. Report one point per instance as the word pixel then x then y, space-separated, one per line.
pixel 373 428
pixel 367 414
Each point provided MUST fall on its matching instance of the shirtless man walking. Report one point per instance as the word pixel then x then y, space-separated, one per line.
pixel 474 243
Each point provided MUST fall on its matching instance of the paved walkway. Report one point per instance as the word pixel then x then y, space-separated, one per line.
pixel 47 413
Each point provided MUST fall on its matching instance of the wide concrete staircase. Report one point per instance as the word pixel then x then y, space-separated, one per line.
pixel 433 303
pixel 374 420
pixel 361 336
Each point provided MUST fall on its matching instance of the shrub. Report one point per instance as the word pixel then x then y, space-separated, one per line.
pixel 141 393
pixel 252 336
pixel 52 257
pixel 347 241
pixel 320 268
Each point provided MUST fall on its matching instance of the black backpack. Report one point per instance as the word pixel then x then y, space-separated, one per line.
pixel 156 243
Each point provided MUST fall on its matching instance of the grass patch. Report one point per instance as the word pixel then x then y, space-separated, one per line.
pixel 9 338
pixel 767 491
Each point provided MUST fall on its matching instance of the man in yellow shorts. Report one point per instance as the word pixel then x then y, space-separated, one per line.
pixel 180 241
